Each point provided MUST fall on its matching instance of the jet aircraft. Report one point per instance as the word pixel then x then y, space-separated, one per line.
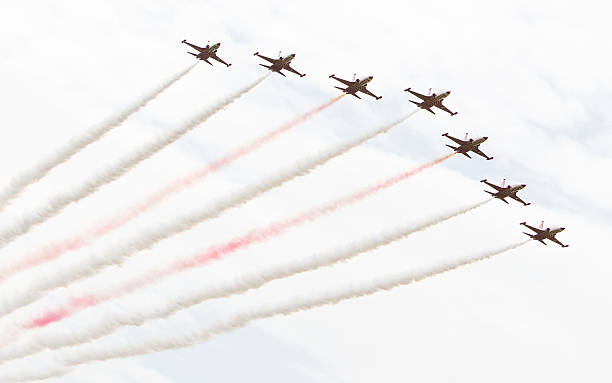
pixel 506 191
pixel 541 234
pixel 355 86
pixel 430 101
pixel 466 146
pixel 208 52
pixel 279 64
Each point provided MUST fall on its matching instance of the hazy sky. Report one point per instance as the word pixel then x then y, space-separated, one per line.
pixel 532 76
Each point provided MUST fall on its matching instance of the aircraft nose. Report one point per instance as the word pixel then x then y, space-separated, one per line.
pixel 486 138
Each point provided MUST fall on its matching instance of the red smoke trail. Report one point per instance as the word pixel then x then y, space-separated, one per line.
pixel 216 252
pixel 55 250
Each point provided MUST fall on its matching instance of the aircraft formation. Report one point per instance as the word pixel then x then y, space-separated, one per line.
pixel 427 102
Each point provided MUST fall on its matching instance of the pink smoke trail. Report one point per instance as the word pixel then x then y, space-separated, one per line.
pixel 216 252
pixel 55 250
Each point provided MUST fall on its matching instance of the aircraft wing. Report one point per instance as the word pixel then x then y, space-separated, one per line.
pixel 215 57
pixel 480 153
pixel 267 58
pixel 288 67
pixel 364 90
pixel 419 95
pixel 440 106
pixel 535 229
pixel 456 140
pixel 199 49
pixel 498 188
pixel 555 240
pixel 517 198
pixel 345 82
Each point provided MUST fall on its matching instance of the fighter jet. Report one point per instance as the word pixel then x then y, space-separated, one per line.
pixel 279 64
pixel 431 101
pixel 355 86
pixel 506 191
pixel 541 234
pixel 470 145
pixel 208 52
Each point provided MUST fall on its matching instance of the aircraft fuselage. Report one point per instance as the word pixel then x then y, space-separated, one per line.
pixel 508 191
pixel 547 234
pixel 359 85
pixel 433 101
pixel 281 63
pixel 471 145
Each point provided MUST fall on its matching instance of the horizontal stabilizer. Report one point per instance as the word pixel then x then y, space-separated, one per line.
pixel 208 62
pixel 266 66
pixel 452 147
pixel 529 235
pixel 415 103
pixel 193 54
pixel 353 94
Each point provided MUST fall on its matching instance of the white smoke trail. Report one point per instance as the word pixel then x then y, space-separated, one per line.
pixel 75 356
pixel 18 184
pixel 84 268
pixel 59 202
pixel 238 285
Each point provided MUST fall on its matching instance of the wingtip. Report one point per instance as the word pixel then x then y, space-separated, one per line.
pixel 407 89
pixel 528 203
pixel 523 223
pixel 444 134
pixel 255 54
pixel 483 180
pixel 331 75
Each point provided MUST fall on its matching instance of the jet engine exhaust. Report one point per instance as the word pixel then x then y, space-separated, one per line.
pixel 55 250
pixel 217 252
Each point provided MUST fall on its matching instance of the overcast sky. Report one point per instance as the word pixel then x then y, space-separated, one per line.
pixel 532 76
